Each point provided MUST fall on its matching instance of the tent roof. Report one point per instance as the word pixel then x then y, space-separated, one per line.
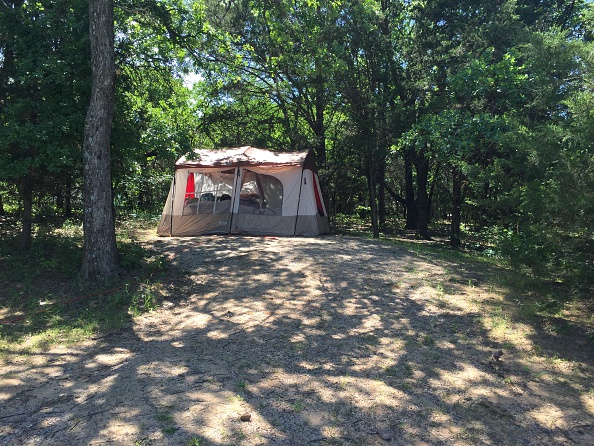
pixel 246 156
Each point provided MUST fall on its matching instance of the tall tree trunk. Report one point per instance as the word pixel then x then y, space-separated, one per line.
pixel 373 200
pixel 432 189
pixel 2 211
pixel 320 133
pixel 381 194
pixel 100 253
pixel 397 198
pixel 320 105
pixel 409 191
pixel 456 207
pixel 27 195
pixel 68 197
pixel 143 199
pixel 422 169
pixel 319 127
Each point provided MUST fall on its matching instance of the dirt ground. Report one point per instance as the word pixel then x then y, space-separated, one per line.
pixel 311 341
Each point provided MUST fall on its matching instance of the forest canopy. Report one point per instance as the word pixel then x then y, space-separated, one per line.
pixel 475 114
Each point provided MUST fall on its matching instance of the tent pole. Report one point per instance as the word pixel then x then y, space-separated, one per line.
pixel 232 216
pixel 260 187
pixel 298 201
pixel 172 199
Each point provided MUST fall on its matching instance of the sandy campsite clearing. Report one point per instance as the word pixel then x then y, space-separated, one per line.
pixel 309 341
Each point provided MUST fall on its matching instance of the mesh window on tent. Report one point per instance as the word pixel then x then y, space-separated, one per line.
pixel 261 194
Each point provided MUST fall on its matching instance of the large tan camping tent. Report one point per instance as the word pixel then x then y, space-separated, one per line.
pixel 244 190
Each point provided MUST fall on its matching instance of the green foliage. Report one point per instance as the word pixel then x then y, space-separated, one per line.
pixel 44 92
pixel 45 79
pixel 155 117
pixel 194 441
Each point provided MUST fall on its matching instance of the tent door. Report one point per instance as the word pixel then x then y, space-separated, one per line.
pixel 258 204
pixel 208 202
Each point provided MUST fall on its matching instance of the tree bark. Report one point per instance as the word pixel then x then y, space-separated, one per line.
pixel 68 197
pixel 394 195
pixel 409 191
pixel 319 126
pixel 456 207
pixel 373 200
pixel 422 169
pixel 381 194
pixel 27 195
pixel 432 189
pixel 100 253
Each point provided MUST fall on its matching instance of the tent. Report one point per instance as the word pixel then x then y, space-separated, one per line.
pixel 244 190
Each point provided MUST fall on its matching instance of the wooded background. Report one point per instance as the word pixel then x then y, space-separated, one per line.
pixel 475 113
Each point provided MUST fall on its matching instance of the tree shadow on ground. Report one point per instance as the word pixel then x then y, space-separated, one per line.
pixel 330 340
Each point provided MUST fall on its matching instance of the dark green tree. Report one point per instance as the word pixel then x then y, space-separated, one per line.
pixel 368 78
pixel 44 81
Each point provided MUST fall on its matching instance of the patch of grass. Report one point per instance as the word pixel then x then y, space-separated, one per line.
pixel 297 406
pixel 544 306
pixel 299 346
pixel 164 417
pixel 169 430
pixel 236 436
pixel 44 301
pixel 440 290
pixel 405 386
pixel 402 371
pixel 427 340
pixel 371 339
pixel 498 321
pixel 144 300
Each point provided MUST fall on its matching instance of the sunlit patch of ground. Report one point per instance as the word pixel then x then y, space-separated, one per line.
pixel 330 340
